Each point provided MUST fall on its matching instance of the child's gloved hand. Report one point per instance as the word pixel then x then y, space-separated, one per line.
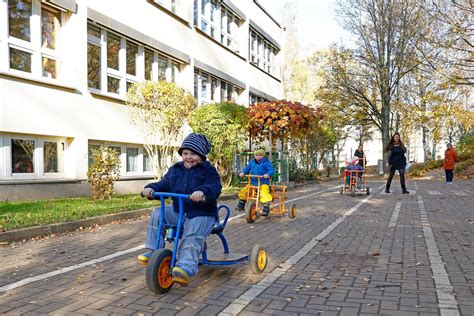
pixel 241 174
pixel 148 193
pixel 266 176
pixel 197 196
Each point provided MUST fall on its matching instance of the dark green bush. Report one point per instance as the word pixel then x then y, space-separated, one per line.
pixel 463 165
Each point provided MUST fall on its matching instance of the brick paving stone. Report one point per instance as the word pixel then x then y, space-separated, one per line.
pixel 361 266
pixel 348 311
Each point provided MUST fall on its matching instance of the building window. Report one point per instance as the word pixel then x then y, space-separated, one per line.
pixel 168 4
pixel 147 166
pixel 33 33
pixel 262 52
pixel 253 98
pixel 53 157
pixel 94 65
pixel 216 20
pixel 22 155
pixel 132 159
pixel 27 157
pixel 126 62
pixel 229 25
pixel 210 89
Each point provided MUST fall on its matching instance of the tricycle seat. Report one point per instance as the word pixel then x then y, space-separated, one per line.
pixel 217 229
pixel 220 225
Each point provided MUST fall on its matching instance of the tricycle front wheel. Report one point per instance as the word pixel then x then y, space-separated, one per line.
pixel 258 259
pixel 158 271
pixel 251 212
pixel 292 211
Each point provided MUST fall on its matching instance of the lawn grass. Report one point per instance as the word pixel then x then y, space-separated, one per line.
pixel 15 215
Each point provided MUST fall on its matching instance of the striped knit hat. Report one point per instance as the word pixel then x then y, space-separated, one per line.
pixel 197 143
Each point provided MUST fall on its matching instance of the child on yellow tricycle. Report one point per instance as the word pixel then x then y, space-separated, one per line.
pixel 259 195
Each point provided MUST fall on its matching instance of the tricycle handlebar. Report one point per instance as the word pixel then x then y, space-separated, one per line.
pixel 157 195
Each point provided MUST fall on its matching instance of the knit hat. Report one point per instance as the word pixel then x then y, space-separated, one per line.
pixel 197 143
pixel 355 159
pixel 260 151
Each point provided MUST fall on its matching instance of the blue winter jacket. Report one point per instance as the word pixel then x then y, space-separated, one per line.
pixel 201 177
pixel 259 169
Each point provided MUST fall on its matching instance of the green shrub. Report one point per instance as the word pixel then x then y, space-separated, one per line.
pixel 466 156
pixel 433 164
pixel 102 173
pixel 420 169
pixel 466 144
pixel 463 165
pixel 417 173
pixel 417 170
pixel 225 125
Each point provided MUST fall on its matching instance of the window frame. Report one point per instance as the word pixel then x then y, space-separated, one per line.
pixel 257 98
pixel 140 61
pixel 222 14
pixel 34 45
pixel 220 84
pixel 123 158
pixel 168 4
pixel 6 173
pixel 226 13
pixel 261 52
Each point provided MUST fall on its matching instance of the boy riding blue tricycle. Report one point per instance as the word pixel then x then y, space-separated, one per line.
pixel 159 277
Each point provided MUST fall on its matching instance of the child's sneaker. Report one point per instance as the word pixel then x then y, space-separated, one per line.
pixel 240 207
pixel 180 276
pixel 143 258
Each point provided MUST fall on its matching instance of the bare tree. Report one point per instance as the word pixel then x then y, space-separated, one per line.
pixel 453 37
pixel 387 33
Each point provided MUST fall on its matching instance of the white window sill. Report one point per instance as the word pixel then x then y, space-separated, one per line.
pixel 33 79
pixel 114 97
pixel 14 181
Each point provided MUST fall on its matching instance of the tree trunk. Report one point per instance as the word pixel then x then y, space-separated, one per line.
pixel 385 128
pixel 426 146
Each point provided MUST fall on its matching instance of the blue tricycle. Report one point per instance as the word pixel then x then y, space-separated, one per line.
pixel 162 261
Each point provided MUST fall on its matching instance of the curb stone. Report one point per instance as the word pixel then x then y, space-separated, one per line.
pixel 60 228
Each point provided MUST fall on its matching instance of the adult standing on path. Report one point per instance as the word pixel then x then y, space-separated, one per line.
pixel 360 153
pixel 450 158
pixel 397 161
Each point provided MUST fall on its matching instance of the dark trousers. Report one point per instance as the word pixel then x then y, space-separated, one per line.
pixel 449 175
pixel 402 177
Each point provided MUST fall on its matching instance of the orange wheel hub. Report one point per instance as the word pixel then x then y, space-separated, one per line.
pixel 164 275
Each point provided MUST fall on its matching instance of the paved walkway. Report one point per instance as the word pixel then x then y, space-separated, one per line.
pixel 380 254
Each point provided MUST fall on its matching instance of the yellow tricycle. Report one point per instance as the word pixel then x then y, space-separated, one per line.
pixel 253 207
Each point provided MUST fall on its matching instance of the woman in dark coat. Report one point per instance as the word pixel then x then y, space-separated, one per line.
pixel 397 161
pixel 360 153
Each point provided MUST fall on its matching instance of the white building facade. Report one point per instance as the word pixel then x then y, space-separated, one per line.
pixel 65 67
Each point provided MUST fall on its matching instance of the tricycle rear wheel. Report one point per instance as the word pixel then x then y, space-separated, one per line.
pixel 258 259
pixel 158 271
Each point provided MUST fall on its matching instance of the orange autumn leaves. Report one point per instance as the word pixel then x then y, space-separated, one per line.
pixel 283 119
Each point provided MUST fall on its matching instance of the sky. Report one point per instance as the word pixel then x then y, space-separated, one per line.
pixel 316 24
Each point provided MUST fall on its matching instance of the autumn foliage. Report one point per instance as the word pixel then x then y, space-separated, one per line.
pixel 282 119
